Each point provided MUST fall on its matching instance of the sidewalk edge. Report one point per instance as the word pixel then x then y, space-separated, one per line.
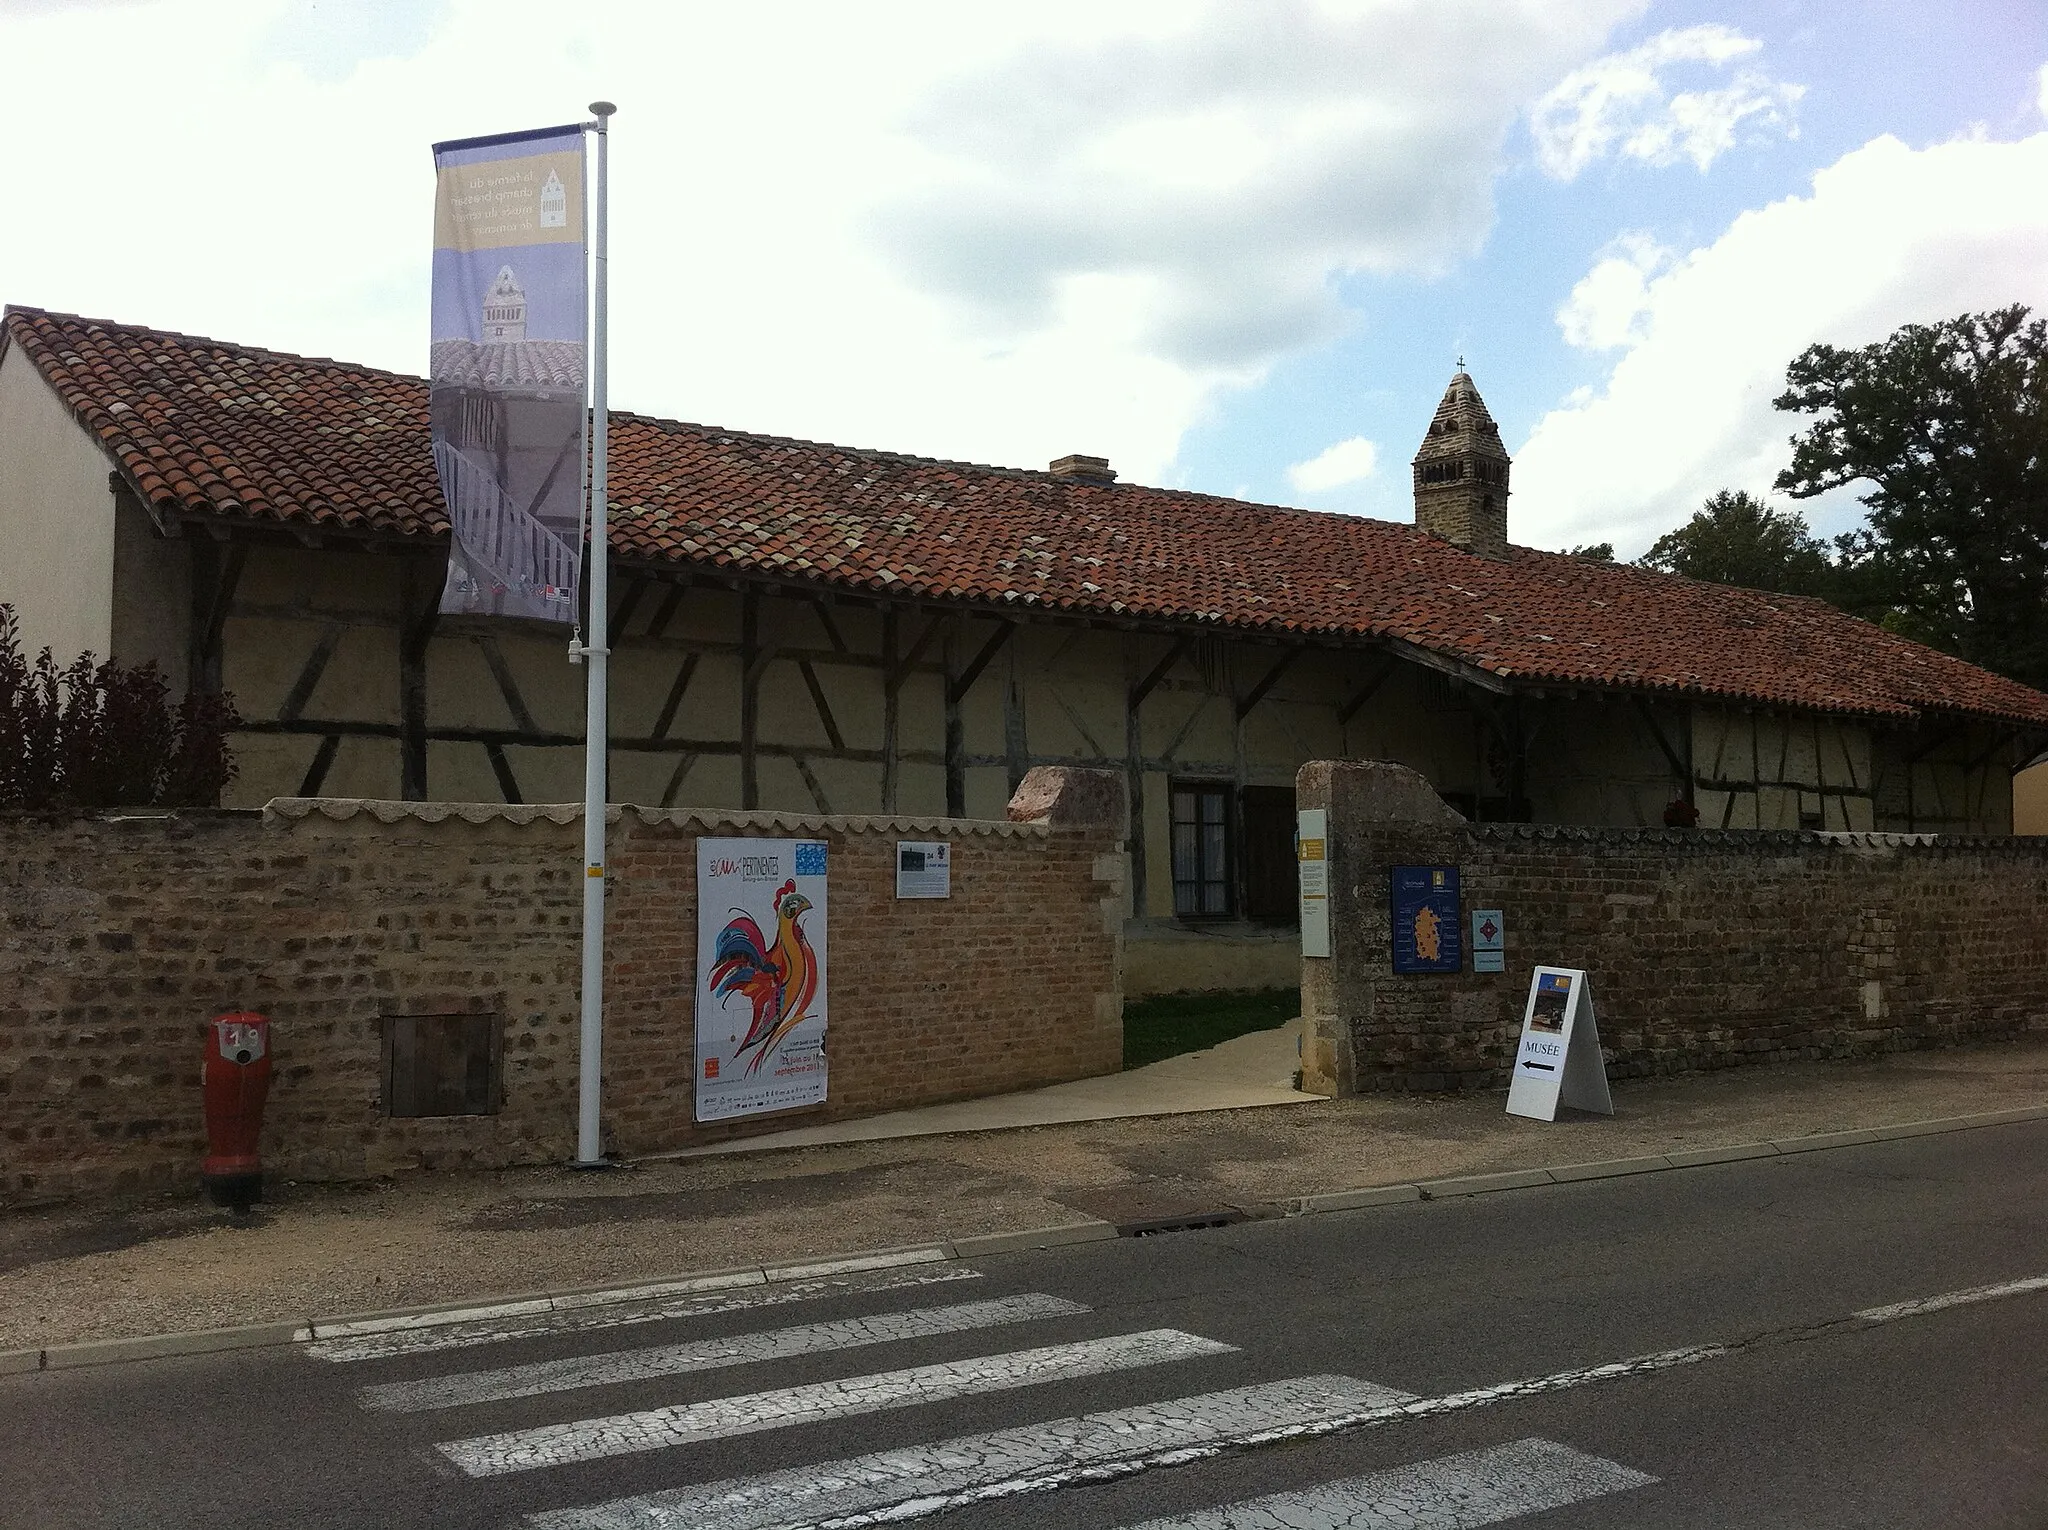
pixel 289 1331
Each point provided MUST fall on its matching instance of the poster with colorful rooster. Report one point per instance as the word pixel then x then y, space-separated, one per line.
pixel 761 969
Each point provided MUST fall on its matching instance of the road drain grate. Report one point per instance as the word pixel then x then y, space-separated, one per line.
pixel 1191 1221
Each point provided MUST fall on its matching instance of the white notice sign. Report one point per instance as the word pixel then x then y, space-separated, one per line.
pixel 1558 1061
pixel 924 868
pixel 1312 854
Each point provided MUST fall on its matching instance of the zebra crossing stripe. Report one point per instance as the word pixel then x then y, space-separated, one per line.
pixel 908 1483
pixel 708 1354
pixel 571 1314
pixel 593 1439
pixel 1461 1492
pixel 1371 1407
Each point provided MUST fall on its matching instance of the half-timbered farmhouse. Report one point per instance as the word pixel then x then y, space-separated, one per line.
pixel 826 629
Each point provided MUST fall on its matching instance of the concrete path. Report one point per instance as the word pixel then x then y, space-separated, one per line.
pixel 1257 1069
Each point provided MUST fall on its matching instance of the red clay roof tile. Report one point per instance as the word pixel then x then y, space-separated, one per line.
pixel 205 428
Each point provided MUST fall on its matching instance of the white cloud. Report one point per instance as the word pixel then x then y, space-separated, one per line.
pixel 1345 462
pixel 1002 233
pixel 1608 306
pixel 1623 104
pixel 1223 171
pixel 2041 90
pixel 1889 235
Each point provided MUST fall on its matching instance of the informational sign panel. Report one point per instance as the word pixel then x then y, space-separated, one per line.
pixel 1426 920
pixel 1312 857
pixel 507 364
pixel 924 868
pixel 761 976
pixel 1489 940
pixel 1558 1060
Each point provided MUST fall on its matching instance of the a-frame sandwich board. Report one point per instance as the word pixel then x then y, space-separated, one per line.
pixel 1558 1059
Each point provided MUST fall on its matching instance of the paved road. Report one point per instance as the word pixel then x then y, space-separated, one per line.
pixel 1680 1349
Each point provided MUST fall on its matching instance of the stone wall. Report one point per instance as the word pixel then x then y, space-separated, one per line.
pixel 120 937
pixel 1705 948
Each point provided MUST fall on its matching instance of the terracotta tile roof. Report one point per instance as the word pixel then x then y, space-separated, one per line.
pixel 203 428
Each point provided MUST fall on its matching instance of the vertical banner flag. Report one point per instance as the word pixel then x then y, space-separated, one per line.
pixel 510 330
pixel 761 967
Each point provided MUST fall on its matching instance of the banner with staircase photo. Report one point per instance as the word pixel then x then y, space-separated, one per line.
pixel 510 331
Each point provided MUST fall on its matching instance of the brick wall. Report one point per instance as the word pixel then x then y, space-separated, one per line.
pixel 120 937
pixel 1705 949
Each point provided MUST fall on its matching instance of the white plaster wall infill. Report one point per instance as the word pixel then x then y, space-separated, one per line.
pixel 1242 1073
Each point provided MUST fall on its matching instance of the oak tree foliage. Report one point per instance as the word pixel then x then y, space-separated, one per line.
pixel 1735 538
pixel 1948 425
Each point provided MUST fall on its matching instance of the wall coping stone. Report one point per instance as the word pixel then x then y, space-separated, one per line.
pixel 1728 839
pixel 342 809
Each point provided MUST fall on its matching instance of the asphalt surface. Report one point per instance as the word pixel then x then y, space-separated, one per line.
pixel 1797 1412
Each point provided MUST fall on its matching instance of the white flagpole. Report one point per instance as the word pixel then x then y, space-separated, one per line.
pixel 596 722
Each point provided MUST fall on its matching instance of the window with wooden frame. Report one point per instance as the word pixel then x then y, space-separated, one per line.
pixel 444 1064
pixel 1201 850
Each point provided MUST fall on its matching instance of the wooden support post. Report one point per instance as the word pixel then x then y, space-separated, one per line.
pixel 316 665
pixel 1136 687
pixel 1257 693
pixel 666 611
pixel 675 779
pixel 750 700
pixel 1138 690
pixel 811 783
pixel 1240 773
pixel 891 708
pixel 1016 745
pixel 1518 762
pixel 623 616
pixel 956 733
pixel 962 683
pixel 508 785
pixel 1367 691
pixel 899 670
pixel 1681 768
pixel 675 694
pixel 419 592
pixel 323 761
pixel 508 687
pixel 214 577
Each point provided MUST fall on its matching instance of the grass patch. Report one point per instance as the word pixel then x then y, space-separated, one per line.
pixel 1173 1023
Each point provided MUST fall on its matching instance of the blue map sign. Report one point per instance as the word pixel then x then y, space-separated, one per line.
pixel 1428 933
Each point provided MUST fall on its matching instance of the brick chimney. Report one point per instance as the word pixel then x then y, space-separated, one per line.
pixel 1461 474
pixel 1078 469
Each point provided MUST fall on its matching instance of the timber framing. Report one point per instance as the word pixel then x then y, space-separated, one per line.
pixel 950 651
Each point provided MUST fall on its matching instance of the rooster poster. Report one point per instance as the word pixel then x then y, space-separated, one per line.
pixel 761 970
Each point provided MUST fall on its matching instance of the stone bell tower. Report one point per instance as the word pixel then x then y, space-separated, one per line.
pixel 1461 474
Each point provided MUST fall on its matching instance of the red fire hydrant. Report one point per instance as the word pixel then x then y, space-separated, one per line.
pixel 237 1080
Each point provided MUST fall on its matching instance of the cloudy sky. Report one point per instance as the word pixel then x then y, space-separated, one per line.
pixel 1236 247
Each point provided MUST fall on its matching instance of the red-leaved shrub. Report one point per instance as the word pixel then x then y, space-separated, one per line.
pixel 96 734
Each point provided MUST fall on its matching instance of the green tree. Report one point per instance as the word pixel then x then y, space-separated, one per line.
pixel 1597 552
pixel 1735 538
pixel 1949 424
